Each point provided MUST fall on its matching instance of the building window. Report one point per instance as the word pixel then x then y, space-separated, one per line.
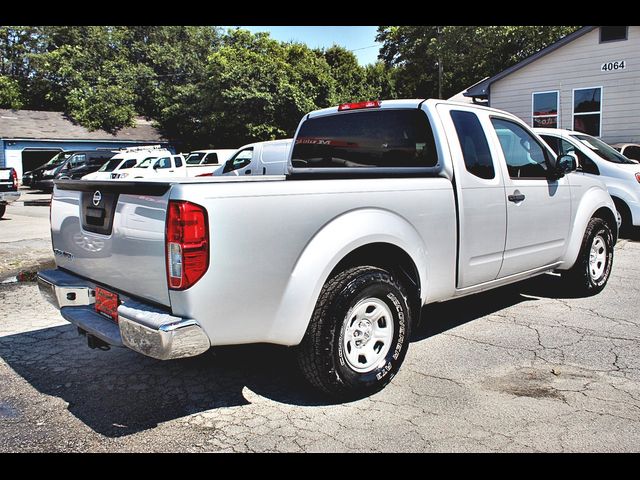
pixel 587 110
pixel 613 34
pixel 545 109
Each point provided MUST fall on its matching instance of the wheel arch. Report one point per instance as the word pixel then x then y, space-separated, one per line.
pixel 374 236
pixel 594 202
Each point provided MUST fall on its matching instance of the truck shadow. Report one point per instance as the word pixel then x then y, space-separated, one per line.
pixel 119 392
pixel 440 317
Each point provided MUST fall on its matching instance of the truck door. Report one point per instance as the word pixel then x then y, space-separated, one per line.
pixel 538 207
pixel 481 196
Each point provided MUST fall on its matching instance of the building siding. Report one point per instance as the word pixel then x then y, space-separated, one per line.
pixel 577 65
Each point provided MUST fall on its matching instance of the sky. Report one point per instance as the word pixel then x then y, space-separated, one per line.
pixel 360 39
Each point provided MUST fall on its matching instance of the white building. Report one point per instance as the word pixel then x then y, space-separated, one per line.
pixel 587 81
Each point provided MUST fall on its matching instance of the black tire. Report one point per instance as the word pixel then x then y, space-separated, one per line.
pixel 625 214
pixel 3 208
pixel 581 277
pixel 321 354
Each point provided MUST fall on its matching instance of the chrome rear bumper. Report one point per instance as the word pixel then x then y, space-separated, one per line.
pixel 142 327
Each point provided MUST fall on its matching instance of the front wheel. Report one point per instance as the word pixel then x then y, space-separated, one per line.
pixel 358 335
pixel 592 269
pixel 3 208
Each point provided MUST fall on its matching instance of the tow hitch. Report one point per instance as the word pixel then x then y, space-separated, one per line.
pixel 94 342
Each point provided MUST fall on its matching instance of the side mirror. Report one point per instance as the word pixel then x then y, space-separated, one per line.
pixel 566 164
pixel 228 166
pixel 156 166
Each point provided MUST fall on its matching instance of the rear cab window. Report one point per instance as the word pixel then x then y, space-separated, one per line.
pixel 211 159
pixel 366 141
pixel 195 158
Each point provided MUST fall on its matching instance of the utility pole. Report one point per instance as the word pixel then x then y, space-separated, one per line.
pixel 439 65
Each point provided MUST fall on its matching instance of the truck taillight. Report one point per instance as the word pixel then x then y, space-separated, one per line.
pixel 14 177
pixel 638 177
pixel 187 244
pixel 359 105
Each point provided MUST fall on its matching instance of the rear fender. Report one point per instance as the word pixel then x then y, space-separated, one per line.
pixel 326 249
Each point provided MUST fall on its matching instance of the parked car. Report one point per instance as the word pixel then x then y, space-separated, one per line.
pixel 126 159
pixel 597 159
pixel 77 159
pixel 629 150
pixel 8 188
pixel 32 178
pixel 261 158
pixel 165 165
pixel 83 164
pixel 338 257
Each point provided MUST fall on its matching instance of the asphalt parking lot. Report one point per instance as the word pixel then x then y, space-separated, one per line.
pixel 522 368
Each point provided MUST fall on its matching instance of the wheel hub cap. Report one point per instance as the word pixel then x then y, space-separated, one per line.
pixel 597 258
pixel 367 334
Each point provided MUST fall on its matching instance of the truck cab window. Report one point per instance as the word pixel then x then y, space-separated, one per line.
pixel 211 159
pixel 473 142
pixel 524 156
pixel 164 162
pixel 376 138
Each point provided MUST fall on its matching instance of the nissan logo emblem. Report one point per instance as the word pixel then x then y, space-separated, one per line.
pixel 97 198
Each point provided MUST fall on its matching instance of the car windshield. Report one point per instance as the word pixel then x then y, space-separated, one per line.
pixel 59 158
pixel 146 162
pixel 195 158
pixel 110 165
pixel 603 150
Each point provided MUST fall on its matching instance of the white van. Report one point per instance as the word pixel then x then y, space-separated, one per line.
pixel 261 158
pixel 120 164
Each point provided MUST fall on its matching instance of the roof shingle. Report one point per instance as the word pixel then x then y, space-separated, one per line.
pixel 42 125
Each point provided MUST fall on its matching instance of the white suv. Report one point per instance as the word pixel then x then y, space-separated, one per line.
pixel 124 159
pixel 620 174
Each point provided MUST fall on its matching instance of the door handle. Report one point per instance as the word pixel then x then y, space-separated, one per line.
pixel 516 197
pixel 247 172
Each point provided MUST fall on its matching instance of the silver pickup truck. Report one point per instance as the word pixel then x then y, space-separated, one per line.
pixel 387 206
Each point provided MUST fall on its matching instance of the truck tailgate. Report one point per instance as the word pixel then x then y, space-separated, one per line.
pixel 114 234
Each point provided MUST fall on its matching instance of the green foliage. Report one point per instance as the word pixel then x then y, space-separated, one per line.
pixel 206 88
pixel 256 88
pixel 10 96
pixel 468 53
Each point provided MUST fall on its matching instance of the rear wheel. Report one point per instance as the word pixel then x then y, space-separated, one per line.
pixel 3 208
pixel 358 335
pixel 592 269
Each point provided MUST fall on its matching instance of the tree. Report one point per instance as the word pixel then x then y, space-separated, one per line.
pixel 256 89
pixel 467 53
pixel 10 96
